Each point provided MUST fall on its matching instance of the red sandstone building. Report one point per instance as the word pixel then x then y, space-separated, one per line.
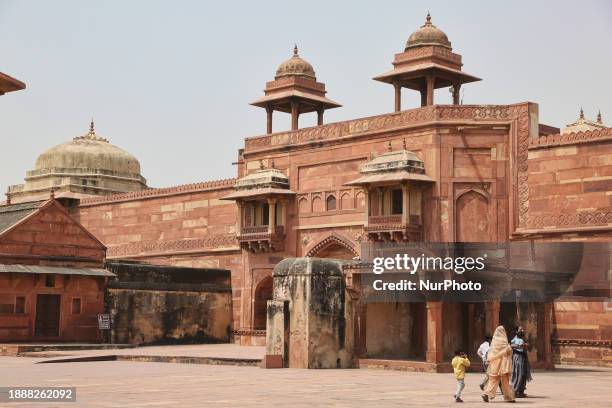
pixel 441 172
pixel 52 280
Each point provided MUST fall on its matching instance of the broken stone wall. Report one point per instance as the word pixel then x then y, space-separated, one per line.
pixel 151 304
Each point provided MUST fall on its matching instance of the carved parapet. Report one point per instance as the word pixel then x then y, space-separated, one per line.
pixel 259 239
pixel 389 228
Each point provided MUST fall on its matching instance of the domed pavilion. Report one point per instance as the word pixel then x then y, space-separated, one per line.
pixel 85 166
pixel 295 90
pixel 427 64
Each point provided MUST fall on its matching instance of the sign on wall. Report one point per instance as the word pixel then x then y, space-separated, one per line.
pixel 104 322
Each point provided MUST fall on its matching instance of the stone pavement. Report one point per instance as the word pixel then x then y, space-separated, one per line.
pixel 136 384
pixel 225 350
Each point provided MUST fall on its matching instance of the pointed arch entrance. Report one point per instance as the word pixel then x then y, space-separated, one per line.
pixel 334 247
pixel 263 293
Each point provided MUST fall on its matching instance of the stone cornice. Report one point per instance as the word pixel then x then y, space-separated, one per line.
pixel 571 138
pixel 582 343
pixel 214 243
pixel 160 192
pixel 429 115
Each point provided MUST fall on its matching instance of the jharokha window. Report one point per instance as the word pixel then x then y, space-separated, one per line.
pixel 330 203
pixel 396 201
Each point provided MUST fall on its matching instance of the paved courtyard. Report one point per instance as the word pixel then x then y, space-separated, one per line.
pixel 144 384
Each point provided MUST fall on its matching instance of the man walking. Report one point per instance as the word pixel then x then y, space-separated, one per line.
pixel 482 352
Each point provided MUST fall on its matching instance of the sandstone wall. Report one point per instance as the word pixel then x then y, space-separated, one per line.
pixel 570 188
pixel 160 305
pixel 186 225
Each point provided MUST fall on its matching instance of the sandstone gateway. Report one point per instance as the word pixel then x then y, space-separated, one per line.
pixel 440 172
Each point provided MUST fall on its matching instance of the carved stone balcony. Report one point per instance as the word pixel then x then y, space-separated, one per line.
pixel 392 228
pixel 260 239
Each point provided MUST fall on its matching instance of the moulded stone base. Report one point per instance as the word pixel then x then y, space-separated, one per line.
pixel 272 361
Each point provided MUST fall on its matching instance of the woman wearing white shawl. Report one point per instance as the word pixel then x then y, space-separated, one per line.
pixel 500 366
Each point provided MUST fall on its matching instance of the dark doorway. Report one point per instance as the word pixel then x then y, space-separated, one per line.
pixel 47 315
pixel 263 293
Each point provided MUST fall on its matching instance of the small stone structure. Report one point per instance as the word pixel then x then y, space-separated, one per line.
pixel 309 317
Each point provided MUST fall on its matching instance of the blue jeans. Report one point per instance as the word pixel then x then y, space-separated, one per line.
pixel 460 387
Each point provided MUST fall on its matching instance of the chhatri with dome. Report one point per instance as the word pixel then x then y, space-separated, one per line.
pixel 88 165
pixel 441 171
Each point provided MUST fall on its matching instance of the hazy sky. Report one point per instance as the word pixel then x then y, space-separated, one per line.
pixel 170 81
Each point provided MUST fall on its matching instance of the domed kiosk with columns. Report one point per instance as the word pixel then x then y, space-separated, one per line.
pixel 295 90
pixel 426 64
pixel 88 165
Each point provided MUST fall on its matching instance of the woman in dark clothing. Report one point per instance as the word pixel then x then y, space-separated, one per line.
pixel 521 370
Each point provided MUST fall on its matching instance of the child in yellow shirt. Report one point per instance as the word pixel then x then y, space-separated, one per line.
pixel 460 363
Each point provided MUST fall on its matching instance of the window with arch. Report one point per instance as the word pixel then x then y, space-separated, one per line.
pixel 303 206
pixel 330 203
pixel 346 201
pixel 317 204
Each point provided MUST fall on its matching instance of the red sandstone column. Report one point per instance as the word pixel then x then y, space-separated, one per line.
pixel 271 215
pixel 456 90
pixel 547 335
pixel 294 115
pixel 405 204
pixel 367 204
pixel 320 117
pixel 398 97
pixel 361 346
pixel 239 218
pixel 423 96
pixel 430 90
pixel 491 316
pixel 435 352
pixel 269 112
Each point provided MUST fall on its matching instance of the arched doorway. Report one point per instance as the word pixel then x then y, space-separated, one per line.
pixel 335 251
pixel 333 247
pixel 263 293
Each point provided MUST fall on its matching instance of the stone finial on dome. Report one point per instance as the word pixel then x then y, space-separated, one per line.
pixel 581 113
pixel 91 134
pixel 428 34
pixel 295 66
pixel 599 120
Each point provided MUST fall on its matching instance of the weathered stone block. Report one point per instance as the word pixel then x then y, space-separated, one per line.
pixel 309 298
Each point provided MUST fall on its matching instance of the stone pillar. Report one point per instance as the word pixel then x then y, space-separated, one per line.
pixel 435 346
pixel 546 334
pixel 367 204
pixel 269 112
pixel 456 89
pixel 271 215
pixel 277 334
pixel 283 212
pixel 423 92
pixel 381 202
pixel 491 316
pixel 398 97
pixel 320 117
pixel 361 349
pixel 239 218
pixel 430 90
pixel 295 113
pixel 405 204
